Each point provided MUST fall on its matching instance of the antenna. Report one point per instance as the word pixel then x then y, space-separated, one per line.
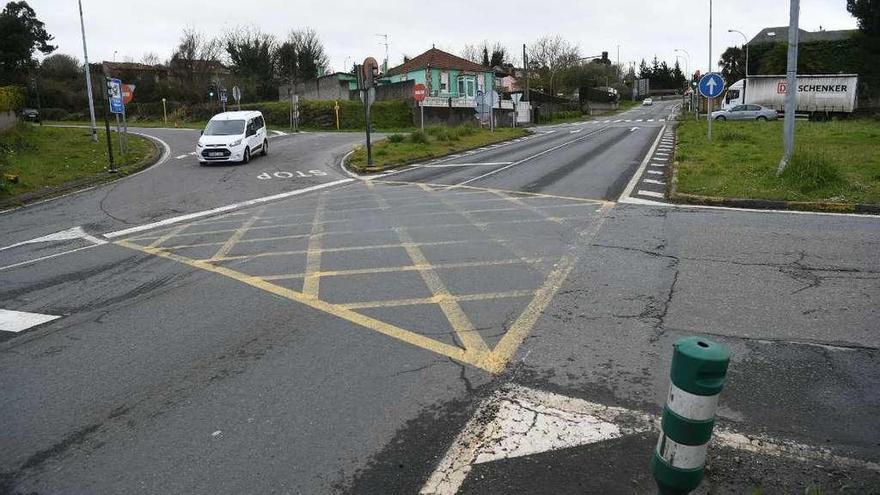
pixel 385 69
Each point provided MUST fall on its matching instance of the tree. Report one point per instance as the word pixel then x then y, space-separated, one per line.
pixel 868 14
pixel 251 54
pixel 550 55
pixel 301 57
pixel 471 52
pixel 193 62
pixel 21 34
pixel 150 58
pixel 61 67
pixel 499 56
pixel 486 62
pixel 733 63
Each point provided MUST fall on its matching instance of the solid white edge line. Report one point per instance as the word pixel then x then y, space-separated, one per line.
pixel 635 178
pixel 43 258
pixel 222 209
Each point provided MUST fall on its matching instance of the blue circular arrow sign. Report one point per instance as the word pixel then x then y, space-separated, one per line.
pixel 711 85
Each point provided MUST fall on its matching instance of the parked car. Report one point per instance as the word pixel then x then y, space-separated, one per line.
pixel 233 137
pixel 30 114
pixel 746 112
pixel 647 102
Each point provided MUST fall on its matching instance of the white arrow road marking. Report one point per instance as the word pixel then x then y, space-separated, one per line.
pixel 518 421
pixel 16 321
pixel 64 235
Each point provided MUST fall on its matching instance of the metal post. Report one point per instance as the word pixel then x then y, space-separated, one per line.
pixel 708 99
pixel 422 112
pixel 367 125
pixel 699 369
pixel 119 135
pixel 526 70
pixel 124 131
pixel 164 112
pixel 89 77
pixel 791 86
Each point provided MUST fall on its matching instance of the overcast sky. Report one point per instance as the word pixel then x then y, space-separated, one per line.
pixel 642 28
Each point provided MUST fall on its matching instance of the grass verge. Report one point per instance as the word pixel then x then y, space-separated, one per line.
pixel 39 161
pixel 401 149
pixel 834 162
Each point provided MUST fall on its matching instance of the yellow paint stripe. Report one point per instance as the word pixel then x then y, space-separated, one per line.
pixel 425 187
pixel 461 324
pixel 527 206
pixel 369 184
pixel 312 281
pixel 331 309
pixel 491 190
pixel 437 299
pixel 510 342
pixel 173 232
pixel 235 237
pixel 406 268
pixel 341 249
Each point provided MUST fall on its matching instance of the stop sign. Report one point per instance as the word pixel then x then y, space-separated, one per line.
pixel 127 93
pixel 420 92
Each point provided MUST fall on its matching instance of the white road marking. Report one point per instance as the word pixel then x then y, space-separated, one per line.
pixel 445 165
pixel 654 181
pixel 17 321
pixel 180 157
pixel 616 121
pixel 650 194
pixel 548 150
pixel 638 120
pixel 658 165
pixel 223 209
pixel 638 175
pixel 518 421
pixel 650 120
pixel 64 235
pixel 576 131
pixel 655 172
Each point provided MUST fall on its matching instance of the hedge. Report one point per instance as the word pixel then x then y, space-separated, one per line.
pixel 11 98
pixel 315 114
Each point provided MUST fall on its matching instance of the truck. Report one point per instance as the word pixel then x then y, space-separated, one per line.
pixel 819 97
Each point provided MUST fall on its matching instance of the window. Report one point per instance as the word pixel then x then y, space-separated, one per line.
pixel 738 108
pixel 732 94
pixel 753 107
pixel 466 85
pixel 224 127
pixel 444 82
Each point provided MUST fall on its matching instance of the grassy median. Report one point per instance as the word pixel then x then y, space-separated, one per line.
pixel 834 162
pixel 44 160
pixel 400 149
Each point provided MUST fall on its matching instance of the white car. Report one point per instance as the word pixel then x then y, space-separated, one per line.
pixel 233 137
pixel 647 102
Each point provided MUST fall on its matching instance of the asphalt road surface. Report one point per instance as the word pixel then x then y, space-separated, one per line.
pixel 492 323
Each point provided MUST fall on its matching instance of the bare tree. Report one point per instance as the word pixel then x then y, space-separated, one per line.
pixel 550 55
pixel 471 52
pixel 494 55
pixel 195 54
pixel 301 57
pixel 150 58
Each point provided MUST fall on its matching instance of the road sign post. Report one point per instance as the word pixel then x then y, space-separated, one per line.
pixel 419 94
pixel 223 98
pixel 369 71
pixel 164 112
pixel 236 95
pixel 117 107
pixel 711 86
pixel 111 167
pixel 336 109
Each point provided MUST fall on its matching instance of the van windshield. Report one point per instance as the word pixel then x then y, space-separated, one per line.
pixel 224 128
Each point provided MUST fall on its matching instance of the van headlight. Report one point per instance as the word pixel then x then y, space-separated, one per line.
pixel 235 143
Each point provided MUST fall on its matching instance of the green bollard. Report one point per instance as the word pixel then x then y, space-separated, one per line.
pixel 699 368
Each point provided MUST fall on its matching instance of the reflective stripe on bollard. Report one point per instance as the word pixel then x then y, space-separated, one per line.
pixel 699 368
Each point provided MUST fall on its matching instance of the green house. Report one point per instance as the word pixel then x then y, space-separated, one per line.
pixel 444 74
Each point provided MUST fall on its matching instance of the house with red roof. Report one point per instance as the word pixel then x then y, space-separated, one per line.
pixel 444 74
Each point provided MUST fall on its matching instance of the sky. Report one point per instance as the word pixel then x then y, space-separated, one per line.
pixel 348 28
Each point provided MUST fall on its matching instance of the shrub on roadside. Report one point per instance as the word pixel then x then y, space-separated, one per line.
pixel 418 137
pixel 396 138
pixel 811 170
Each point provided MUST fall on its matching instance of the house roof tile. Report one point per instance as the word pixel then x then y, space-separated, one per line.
pixel 439 59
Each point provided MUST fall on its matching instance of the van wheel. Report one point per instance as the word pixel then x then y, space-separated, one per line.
pixel 265 150
pixel 762 118
pixel 247 156
pixel 721 117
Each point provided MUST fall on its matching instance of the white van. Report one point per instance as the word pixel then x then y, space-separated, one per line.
pixel 233 137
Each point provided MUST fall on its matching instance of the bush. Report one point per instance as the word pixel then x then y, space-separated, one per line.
pixel 810 170
pixel 11 98
pixel 396 138
pixel 54 114
pixel 418 137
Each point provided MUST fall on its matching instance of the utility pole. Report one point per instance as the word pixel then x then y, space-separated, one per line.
pixel 618 63
pixel 791 86
pixel 385 68
pixel 88 75
pixel 526 71
pixel 746 47
pixel 709 100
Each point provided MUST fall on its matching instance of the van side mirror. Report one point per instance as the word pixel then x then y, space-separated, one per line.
pixel 202 132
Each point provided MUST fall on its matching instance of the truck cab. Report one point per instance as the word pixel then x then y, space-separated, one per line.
pixel 734 95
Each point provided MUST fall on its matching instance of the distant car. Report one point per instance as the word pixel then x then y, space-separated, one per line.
pixel 30 114
pixel 647 102
pixel 233 137
pixel 746 112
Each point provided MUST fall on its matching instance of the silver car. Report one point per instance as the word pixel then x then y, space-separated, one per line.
pixel 746 112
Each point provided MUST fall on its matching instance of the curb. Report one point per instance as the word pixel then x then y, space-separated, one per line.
pixel 376 170
pixel 85 183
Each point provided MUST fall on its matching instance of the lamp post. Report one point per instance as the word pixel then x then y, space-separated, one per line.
pixel 709 100
pixel 88 75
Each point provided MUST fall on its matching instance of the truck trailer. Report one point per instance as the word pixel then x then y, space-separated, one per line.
pixel 819 97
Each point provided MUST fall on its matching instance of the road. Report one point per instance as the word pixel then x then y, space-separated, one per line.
pixel 359 338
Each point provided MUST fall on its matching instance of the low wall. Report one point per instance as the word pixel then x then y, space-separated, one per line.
pixel 7 120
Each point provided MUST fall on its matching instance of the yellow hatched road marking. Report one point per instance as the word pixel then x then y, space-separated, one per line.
pixel 342 249
pixel 437 299
pixel 312 281
pixel 236 236
pixel 413 338
pixel 406 268
pixel 171 233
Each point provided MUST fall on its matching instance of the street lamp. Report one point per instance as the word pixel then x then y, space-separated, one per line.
pixel 687 61
pixel 88 71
